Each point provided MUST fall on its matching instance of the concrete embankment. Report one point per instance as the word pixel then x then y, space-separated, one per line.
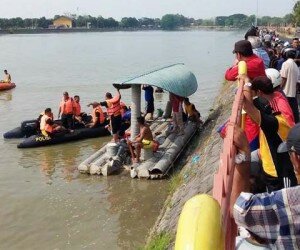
pixel 197 174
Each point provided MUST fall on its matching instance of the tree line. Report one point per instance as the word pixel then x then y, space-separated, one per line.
pixel 167 22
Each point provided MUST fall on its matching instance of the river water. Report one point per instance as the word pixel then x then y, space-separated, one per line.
pixel 45 202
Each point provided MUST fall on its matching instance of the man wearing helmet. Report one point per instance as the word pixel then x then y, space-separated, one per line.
pixel 277 100
pixel 290 74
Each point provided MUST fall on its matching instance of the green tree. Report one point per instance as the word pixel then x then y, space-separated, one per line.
pixel 296 12
pixel 220 20
pixel 129 22
pixel 169 22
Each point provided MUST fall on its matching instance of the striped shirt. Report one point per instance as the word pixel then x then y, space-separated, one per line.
pixel 274 217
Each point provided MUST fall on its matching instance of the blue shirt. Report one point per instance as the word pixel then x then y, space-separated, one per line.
pixel 127 116
pixel 260 52
pixel 148 93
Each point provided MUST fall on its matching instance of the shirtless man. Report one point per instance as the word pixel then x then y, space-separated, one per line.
pixel 143 140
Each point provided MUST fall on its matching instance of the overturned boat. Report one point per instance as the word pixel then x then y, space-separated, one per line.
pixel 115 157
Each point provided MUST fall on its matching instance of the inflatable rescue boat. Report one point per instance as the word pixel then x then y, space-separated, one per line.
pixel 78 134
pixel 7 85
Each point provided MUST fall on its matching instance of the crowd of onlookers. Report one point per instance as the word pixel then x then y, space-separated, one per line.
pixel 265 199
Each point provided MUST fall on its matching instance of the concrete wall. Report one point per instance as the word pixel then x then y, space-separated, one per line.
pixel 198 177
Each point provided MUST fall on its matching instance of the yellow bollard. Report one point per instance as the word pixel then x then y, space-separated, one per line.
pixel 200 225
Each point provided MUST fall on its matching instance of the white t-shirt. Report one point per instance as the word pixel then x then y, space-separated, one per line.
pixel 267 38
pixel 290 71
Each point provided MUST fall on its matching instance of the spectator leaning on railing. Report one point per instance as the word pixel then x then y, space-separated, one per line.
pixel 274 128
pixel 272 219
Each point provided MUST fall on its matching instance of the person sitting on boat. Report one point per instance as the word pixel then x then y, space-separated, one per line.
pixel 271 219
pixel 80 118
pixel 67 111
pixel 113 107
pixel 7 77
pixel 149 98
pixel 98 117
pixel 47 126
pixel 143 140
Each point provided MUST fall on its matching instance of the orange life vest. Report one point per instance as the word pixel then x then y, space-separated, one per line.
pixel 44 126
pixel 77 108
pixel 114 106
pixel 99 110
pixel 66 107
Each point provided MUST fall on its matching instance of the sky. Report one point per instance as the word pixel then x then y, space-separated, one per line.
pixel 143 8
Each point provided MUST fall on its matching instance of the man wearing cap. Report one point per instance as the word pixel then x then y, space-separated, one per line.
pixel 255 65
pixel 272 219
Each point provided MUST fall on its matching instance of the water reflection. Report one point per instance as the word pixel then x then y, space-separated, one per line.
pixel 59 160
pixel 136 203
pixel 6 96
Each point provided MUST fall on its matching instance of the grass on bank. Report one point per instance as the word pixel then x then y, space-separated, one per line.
pixel 159 242
pixel 175 181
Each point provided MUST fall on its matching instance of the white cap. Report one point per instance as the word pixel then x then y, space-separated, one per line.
pixel 274 76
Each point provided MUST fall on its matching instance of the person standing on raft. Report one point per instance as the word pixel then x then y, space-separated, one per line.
pixel 113 107
pixel 149 107
pixel 67 111
pixel 7 77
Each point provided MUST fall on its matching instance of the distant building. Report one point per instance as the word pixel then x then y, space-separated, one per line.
pixel 63 22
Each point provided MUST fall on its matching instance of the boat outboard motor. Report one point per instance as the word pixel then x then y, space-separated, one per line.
pixel 29 128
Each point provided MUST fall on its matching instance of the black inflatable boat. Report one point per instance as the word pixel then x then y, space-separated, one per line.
pixel 27 128
pixel 78 134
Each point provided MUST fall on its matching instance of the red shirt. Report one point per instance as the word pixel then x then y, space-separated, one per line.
pixel 255 68
pixel 279 103
pixel 176 101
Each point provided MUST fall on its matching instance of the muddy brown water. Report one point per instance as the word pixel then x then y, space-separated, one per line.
pixel 45 202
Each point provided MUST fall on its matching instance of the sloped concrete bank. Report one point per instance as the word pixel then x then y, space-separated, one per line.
pixel 197 174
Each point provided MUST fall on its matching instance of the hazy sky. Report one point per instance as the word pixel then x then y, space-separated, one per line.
pixel 143 8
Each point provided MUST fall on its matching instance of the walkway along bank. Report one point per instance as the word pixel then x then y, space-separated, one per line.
pixel 196 177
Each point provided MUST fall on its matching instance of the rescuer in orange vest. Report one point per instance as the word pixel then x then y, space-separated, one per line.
pixel 98 117
pixel 47 126
pixel 113 107
pixel 67 111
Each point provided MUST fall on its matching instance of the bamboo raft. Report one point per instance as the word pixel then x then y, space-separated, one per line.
pixel 113 158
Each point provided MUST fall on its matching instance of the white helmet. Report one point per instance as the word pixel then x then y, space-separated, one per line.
pixel 274 76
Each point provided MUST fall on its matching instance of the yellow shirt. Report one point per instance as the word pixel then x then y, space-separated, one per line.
pixel 188 109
